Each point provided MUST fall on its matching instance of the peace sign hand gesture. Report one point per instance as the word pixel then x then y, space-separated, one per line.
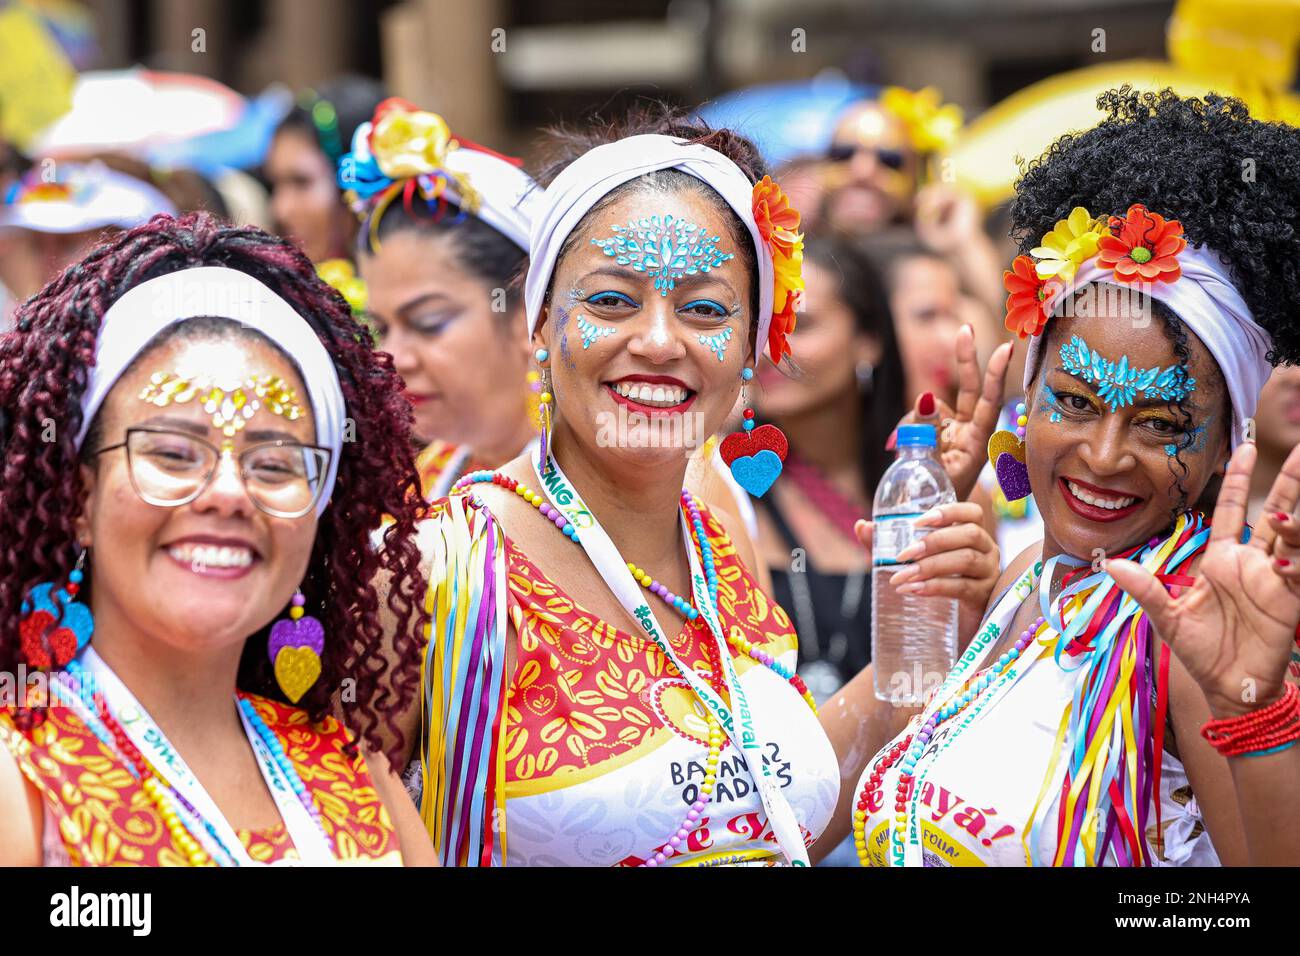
pixel 1235 628
pixel 964 433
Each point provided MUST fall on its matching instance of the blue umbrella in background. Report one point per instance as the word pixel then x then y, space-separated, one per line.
pixel 787 121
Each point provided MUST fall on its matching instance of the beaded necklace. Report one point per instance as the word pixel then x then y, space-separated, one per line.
pixel 683 607
pixel 197 837
pixel 910 749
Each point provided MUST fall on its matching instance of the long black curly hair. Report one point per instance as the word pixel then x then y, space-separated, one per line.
pixel 1232 181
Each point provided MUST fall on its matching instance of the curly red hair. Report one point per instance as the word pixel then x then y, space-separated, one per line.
pixel 44 367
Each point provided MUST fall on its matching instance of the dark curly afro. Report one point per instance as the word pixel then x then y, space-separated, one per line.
pixel 1233 182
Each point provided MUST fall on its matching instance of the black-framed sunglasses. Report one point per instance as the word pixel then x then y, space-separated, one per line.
pixel 171 468
pixel 889 158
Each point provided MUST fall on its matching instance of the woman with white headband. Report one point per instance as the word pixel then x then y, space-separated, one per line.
pixel 1158 283
pixel 569 716
pixel 442 249
pixel 197 442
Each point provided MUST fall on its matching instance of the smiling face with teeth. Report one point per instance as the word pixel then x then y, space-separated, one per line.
pixel 1103 477
pixel 207 574
pixel 657 368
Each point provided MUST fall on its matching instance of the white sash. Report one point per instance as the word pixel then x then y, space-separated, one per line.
pixel 211 829
pixel 737 721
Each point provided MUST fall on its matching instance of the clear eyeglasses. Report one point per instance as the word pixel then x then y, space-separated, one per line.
pixel 172 468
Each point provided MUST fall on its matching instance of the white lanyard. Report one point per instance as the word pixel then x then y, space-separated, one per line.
pixel 740 727
pixel 1016 595
pixel 308 838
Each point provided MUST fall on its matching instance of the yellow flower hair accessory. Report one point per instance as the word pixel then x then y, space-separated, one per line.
pixel 1071 243
pixel 931 125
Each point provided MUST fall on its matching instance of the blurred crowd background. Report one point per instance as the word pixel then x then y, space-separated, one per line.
pixel 896 128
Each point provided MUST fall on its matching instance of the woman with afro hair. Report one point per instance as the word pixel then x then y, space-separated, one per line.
pixel 1125 702
pixel 198 440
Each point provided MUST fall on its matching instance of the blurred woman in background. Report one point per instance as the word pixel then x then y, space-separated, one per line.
pixel 444 237
pixel 837 417
pixel 300 166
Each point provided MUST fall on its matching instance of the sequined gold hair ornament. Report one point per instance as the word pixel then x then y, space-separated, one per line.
pixel 230 404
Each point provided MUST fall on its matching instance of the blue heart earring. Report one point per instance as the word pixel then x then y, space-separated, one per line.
pixel 755 455
pixel 54 627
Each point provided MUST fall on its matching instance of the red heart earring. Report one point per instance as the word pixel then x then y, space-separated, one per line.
pixel 754 455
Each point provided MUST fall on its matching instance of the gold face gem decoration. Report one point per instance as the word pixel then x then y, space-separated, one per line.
pixel 231 404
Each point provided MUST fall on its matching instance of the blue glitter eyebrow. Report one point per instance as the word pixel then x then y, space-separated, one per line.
pixel 1116 383
pixel 664 248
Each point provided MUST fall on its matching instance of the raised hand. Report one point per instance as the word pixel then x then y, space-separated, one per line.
pixel 1235 628
pixel 964 432
pixel 957 559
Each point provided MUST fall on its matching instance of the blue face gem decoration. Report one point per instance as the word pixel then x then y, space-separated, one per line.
pixel 717 342
pixel 664 248
pixel 1049 404
pixel 591 332
pixel 1117 384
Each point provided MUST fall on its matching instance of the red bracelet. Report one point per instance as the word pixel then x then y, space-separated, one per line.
pixel 1258 732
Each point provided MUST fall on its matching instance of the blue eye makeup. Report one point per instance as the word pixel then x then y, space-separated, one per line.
pixel 609 298
pixel 714 309
pixel 1049 404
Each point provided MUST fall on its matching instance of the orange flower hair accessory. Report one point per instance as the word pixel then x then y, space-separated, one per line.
pixel 1142 247
pixel 1030 298
pixel 778 223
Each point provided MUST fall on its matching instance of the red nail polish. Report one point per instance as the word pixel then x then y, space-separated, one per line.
pixel 926 405
pixel 1281 516
pixel 1283 562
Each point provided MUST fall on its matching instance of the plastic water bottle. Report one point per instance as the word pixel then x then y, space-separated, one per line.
pixel 913 637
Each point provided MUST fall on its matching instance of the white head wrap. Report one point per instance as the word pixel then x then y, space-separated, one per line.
pixel 596 173
pixel 507 195
pixel 131 323
pixel 1205 298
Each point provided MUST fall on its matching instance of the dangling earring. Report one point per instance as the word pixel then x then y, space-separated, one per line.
pixel 534 381
pixel 754 455
pixel 545 402
pixel 1007 456
pixel 46 640
pixel 295 648
pixel 865 373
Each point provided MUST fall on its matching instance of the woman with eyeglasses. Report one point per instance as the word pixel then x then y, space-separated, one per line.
pixel 197 441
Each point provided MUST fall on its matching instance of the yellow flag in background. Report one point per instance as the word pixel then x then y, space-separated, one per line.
pixel 36 79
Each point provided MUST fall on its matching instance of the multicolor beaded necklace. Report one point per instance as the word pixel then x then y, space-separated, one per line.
pixel 909 749
pixel 188 828
pixel 679 604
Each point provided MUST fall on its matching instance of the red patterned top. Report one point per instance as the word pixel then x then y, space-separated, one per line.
pixel 104 817
pixel 604 742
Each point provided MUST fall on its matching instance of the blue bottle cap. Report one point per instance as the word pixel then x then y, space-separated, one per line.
pixel 923 436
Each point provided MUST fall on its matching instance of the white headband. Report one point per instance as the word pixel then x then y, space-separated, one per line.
pixel 133 321
pixel 596 173
pixel 507 194
pixel 1205 298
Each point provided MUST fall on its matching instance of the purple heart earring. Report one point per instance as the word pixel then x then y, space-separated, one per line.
pixel 295 647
